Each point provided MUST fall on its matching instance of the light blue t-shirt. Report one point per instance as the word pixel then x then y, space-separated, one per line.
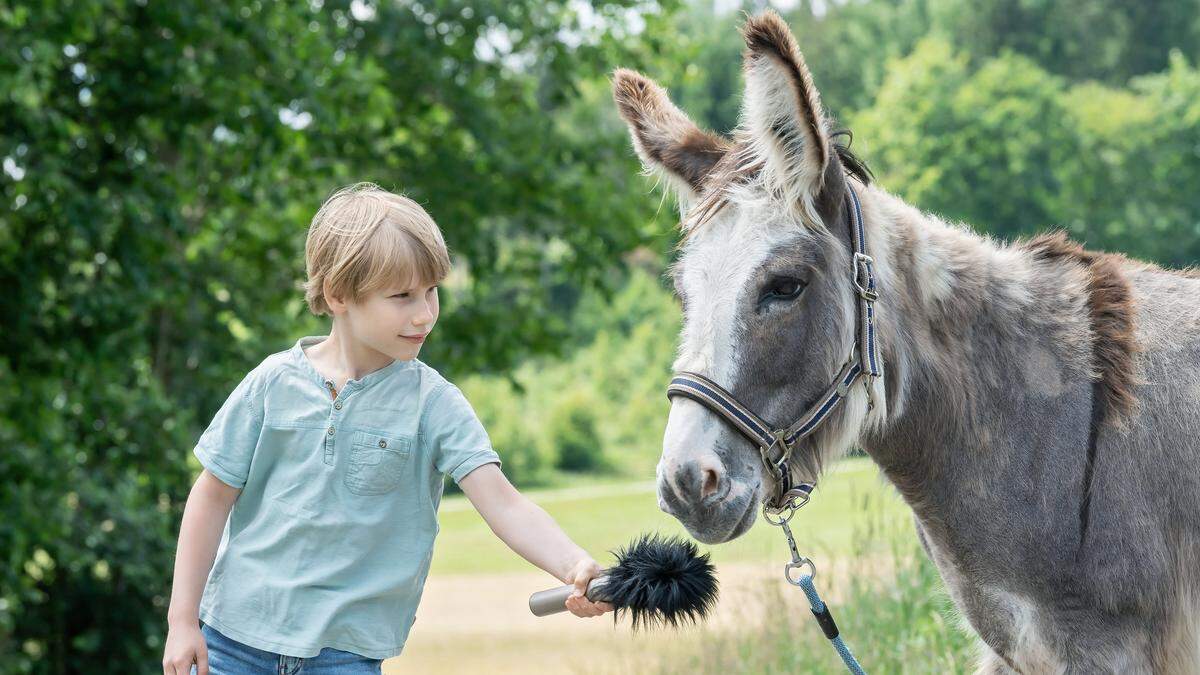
pixel 329 542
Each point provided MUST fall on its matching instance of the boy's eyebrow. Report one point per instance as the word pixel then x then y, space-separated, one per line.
pixel 403 289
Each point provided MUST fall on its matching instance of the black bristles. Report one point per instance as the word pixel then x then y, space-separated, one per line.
pixel 661 581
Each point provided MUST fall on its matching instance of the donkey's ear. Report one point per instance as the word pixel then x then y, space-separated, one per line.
pixel 782 113
pixel 665 139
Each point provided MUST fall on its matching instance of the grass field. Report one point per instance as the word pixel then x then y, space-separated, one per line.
pixel 473 616
pixel 601 517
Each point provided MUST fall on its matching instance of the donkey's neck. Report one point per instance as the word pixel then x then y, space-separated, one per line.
pixel 987 355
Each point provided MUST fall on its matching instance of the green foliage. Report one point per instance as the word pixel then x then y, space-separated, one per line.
pixel 1107 40
pixel 1011 149
pixel 985 147
pixel 1132 187
pixel 572 428
pixel 605 401
pixel 503 414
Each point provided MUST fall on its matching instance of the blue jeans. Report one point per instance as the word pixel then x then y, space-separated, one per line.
pixel 227 656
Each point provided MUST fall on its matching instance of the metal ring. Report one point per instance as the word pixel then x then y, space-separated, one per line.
pixel 779 519
pixel 796 498
pixel 797 564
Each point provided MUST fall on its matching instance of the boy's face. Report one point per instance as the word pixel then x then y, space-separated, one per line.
pixel 389 319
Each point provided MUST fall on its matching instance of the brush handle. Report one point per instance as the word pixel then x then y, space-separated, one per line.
pixel 554 600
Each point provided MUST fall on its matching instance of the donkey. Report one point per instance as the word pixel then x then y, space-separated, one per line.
pixel 1035 406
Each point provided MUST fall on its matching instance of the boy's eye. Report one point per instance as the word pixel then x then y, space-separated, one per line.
pixel 405 294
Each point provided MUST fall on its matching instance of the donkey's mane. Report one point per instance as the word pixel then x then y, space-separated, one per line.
pixel 852 163
pixel 739 166
pixel 1111 306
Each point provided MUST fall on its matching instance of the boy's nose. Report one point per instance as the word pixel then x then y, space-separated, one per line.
pixel 424 317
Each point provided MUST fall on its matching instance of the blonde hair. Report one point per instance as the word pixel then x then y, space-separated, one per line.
pixel 364 238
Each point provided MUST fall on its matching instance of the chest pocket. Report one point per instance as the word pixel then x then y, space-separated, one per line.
pixel 377 462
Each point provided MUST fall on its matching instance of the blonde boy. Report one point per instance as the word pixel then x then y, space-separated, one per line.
pixel 327 461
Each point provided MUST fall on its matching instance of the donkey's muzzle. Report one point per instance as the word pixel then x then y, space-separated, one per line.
pixel 694 484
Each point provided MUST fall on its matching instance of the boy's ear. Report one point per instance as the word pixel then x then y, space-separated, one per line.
pixel 336 305
pixel 667 142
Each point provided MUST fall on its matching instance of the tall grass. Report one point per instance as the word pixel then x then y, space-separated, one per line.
pixel 888 601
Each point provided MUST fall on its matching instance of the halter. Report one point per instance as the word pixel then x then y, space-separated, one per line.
pixel 775 446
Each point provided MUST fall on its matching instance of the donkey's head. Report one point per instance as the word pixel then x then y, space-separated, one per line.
pixel 764 275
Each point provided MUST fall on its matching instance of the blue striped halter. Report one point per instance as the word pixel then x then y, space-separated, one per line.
pixel 776 445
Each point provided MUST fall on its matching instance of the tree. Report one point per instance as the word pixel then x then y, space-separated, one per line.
pixel 984 147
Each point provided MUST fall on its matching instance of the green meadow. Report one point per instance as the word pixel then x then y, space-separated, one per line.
pixel 885 594
pixel 601 516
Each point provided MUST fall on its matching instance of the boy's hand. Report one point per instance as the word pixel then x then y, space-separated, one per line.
pixel 185 645
pixel 583 572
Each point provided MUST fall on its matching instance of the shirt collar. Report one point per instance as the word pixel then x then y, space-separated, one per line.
pixel 366 380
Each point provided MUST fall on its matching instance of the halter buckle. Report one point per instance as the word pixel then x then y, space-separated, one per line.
pixel 863 279
pixel 785 451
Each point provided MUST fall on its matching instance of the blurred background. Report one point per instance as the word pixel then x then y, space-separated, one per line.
pixel 160 162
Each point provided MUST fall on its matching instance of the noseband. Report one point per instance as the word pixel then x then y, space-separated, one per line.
pixel 776 445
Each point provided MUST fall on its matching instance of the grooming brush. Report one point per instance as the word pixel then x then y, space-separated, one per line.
pixel 659 581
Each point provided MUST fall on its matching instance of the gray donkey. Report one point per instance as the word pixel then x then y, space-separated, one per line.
pixel 1035 407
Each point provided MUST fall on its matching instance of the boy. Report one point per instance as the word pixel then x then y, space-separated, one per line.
pixel 327 460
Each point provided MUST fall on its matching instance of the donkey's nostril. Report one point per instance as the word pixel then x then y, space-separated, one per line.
pixel 711 481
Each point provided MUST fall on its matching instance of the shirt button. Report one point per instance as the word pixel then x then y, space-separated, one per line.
pixel 337 406
pixel 330 432
pixel 382 443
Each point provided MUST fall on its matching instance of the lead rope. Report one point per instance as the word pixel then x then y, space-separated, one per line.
pixel 805 581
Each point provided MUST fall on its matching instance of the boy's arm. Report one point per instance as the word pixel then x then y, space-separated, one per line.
pixel 199 535
pixel 204 518
pixel 528 530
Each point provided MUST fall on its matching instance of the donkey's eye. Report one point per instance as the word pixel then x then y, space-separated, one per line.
pixel 781 288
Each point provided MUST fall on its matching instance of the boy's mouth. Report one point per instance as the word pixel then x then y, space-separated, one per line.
pixel 418 339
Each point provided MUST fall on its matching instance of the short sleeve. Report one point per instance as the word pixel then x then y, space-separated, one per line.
pixel 455 435
pixel 227 445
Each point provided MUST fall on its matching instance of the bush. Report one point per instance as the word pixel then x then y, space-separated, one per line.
pixel 572 433
pixel 501 409
pixel 613 416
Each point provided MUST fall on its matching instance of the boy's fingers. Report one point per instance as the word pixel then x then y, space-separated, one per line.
pixel 584 608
